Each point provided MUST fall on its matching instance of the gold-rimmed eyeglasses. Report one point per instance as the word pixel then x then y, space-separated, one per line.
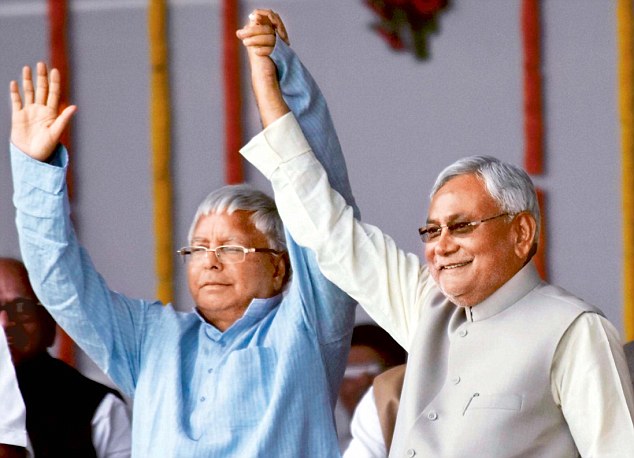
pixel 226 254
pixel 431 232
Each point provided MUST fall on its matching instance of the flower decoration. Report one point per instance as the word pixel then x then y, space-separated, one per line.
pixel 405 24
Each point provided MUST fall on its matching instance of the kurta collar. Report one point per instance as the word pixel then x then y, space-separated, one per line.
pixel 257 309
pixel 512 291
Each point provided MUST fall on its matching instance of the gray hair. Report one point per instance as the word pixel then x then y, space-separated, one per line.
pixel 264 215
pixel 510 186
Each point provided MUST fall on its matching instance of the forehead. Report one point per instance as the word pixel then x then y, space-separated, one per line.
pixel 461 196
pixel 13 283
pixel 224 226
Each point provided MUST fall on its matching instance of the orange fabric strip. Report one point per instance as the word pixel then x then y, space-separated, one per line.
pixel 625 41
pixel 160 129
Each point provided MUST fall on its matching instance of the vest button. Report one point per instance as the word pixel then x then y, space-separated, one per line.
pixel 463 333
pixel 202 399
pixel 411 452
pixel 432 415
pixel 455 380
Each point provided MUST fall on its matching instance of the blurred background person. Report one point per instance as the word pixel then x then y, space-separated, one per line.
pixel 372 351
pixel 12 420
pixel 68 414
pixel 372 425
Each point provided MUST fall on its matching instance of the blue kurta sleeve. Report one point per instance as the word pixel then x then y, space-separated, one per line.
pixel 329 311
pixel 304 98
pixel 105 324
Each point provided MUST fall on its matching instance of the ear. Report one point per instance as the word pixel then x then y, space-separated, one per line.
pixel 524 227
pixel 280 276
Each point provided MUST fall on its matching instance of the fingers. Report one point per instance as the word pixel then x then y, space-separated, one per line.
pixel 55 90
pixel 279 26
pixel 254 38
pixel 16 100
pixel 46 91
pixel 27 85
pixel 264 22
pixel 41 88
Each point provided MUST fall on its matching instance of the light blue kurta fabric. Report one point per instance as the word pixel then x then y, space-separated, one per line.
pixel 265 387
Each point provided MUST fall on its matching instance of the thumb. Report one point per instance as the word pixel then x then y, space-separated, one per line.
pixel 62 121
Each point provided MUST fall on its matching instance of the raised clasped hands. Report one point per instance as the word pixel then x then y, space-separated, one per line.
pixel 259 36
pixel 36 124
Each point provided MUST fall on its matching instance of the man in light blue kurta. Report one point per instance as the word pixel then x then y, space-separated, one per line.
pixel 263 387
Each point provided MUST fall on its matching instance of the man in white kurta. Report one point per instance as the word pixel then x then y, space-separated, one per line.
pixel 13 413
pixel 501 363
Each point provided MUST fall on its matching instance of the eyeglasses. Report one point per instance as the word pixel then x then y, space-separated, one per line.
pixel 226 254
pixel 20 309
pixel 431 232
pixel 359 370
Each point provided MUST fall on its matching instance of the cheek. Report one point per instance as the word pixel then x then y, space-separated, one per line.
pixel 429 254
pixel 192 278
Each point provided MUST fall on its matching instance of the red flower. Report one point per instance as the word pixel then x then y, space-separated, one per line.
pixel 396 3
pixel 428 7
pixel 379 8
pixel 391 37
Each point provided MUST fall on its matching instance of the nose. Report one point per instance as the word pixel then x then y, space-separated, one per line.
pixel 211 260
pixel 445 243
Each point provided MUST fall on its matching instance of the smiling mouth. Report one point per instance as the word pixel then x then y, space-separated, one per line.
pixel 455 266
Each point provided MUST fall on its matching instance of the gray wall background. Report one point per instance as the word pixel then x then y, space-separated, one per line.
pixel 400 121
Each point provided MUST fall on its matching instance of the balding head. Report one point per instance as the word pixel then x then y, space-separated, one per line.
pixel 14 280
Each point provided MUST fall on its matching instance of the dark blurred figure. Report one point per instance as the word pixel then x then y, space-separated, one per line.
pixel 628 348
pixel 67 413
pixel 372 351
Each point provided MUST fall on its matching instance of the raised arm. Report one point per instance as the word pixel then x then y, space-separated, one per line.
pixel 288 85
pixel 301 156
pixel 100 321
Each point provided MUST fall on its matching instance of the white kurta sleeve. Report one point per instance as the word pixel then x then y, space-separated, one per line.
pixel 591 382
pixel 12 411
pixel 367 437
pixel 350 253
pixel 111 429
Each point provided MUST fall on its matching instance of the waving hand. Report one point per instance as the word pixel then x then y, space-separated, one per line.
pixel 36 126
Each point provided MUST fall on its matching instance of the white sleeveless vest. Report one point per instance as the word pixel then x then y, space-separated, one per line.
pixel 478 379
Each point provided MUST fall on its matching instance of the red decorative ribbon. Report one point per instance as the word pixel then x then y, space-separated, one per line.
pixel 57 14
pixel 233 94
pixel 533 124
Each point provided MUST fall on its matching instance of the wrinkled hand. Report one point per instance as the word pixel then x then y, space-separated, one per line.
pixel 259 36
pixel 36 126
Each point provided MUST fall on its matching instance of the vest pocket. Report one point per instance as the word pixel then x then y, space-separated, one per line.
pixel 494 401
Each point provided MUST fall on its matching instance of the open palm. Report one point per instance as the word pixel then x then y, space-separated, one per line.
pixel 36 126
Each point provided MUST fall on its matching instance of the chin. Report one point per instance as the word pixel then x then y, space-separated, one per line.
pixel 456 297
